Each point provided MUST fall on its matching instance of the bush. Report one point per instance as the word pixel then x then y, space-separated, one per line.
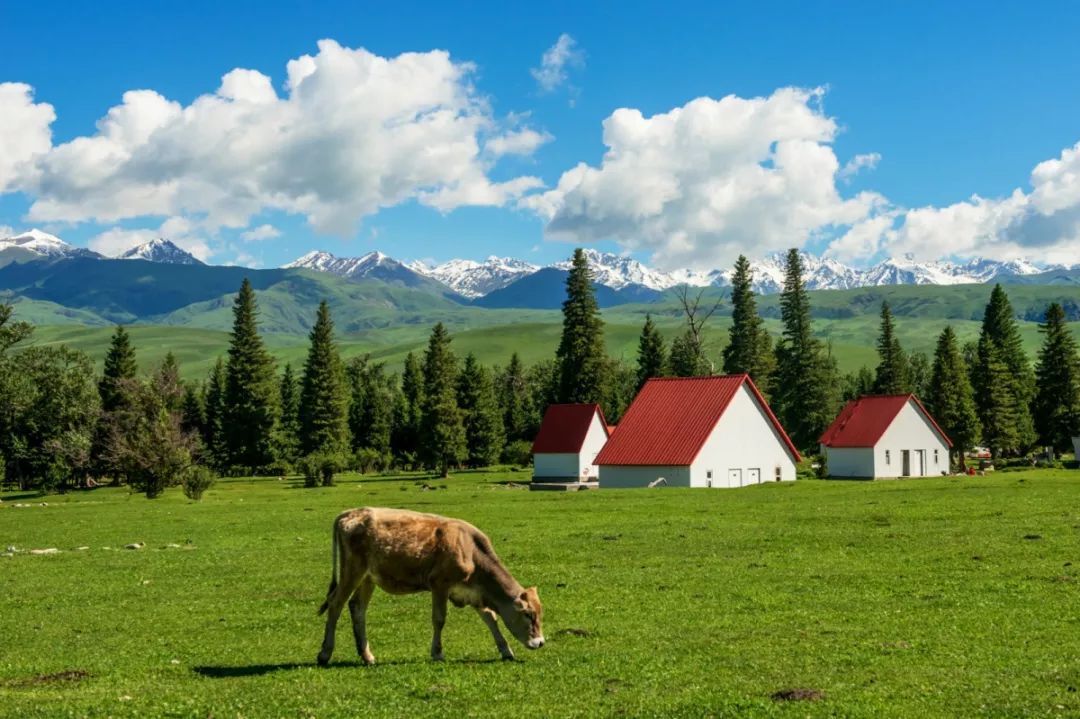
pixel 369 460
pixel 320 468
pixel 518 452
pixel 279 468
pixel 196 480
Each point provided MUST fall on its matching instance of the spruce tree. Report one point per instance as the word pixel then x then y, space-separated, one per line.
pixel 652 356
pixel 408 419
pixel 484 432
pixel 580 355
pixel 324 404
pixel 288 442
pixel 1000 342
pixel 193 412
pixel 442 435
pixel 1057 378
pixel 371 405
pixel 687 358
pixel 806 376
pixel 119 365
pixel 749 349
pixel 251 391
pixel 919 371
pixel 857 384
pixel 168 375
pixel 949 397
pixel 214 428
pixel 891 376
pixel 514 400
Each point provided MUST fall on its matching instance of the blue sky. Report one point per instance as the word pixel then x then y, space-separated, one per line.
pixel 942 103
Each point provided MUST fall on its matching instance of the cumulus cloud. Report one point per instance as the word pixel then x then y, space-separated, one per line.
pixel 181 231
pixel 262 232
pixel 858 163
pixel 517 142
pixel 700 184
pixel 552 72
pixel 354 132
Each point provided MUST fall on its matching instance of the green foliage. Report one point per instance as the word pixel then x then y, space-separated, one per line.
pixel 518 452
pixel 515 400
pixel 196 480
pixel 919 372
pixel 442 433
pixel 12 332
pixel 652 358
pixel 324 402
pixel 857 384
pixel 214 430
pixel 409 412
pixel 688 357
pixel 581 356
pixel 749 349
pixel 119 365
pixel 949 397
pixel 892 374
pixel 374 396
pixel 368 460
pixel 251 391
pixel 1056 405
pixel 484 431
pixel 320 468
pixel 287 438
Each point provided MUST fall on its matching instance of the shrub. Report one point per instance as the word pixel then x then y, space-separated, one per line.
pixel 518 452
pixel 320 468
pixel 196 480
pixel 368 459
pixel 279 468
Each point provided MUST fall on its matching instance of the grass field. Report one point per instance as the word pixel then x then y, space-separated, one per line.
pixel 918 598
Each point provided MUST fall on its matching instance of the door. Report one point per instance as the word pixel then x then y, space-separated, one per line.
pixel 734 477
pixel 922 462
pixel 905 458
pixel 753 476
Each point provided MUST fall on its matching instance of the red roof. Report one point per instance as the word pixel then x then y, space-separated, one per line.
pixel 670 419
pixel 564 428
pixel 863 421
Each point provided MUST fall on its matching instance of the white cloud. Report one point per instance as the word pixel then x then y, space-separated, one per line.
pixel 860 162
pixel 354 132
pixel 704 182
pixel 6 231
pixel 553 65
pixel 517 142
pixel 179 230
pixel 262 232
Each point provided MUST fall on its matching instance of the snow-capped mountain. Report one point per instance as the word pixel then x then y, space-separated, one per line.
pixel 475 279
pixel 42 244
pixel 617 271
pixel 373 265
pixel 160 250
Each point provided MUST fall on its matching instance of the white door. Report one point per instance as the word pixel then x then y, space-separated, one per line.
pixel 753 476
pixel 734 477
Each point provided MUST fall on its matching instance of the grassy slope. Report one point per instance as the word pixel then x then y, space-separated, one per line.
pixel 941 597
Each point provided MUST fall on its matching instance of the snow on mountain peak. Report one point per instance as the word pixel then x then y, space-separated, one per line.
pixel 160 250
pixel 42 243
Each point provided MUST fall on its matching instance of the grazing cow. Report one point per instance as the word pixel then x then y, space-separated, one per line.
pixel 404 552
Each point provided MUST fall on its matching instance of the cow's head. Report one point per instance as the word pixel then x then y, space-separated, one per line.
pixel 523 618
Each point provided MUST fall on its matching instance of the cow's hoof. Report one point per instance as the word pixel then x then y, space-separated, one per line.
pixel 323 659
pixel 368 661
pixel 437 657
pixel 508 657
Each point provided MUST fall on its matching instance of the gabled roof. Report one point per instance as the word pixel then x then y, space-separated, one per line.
pixel 863 421
pixel 670 419
pixel 564 428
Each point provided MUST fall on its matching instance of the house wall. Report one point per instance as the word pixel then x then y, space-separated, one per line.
pixel 613 476
pixel 910 430
pixel 595 440
pixel 743 440
pixel 1076 447
pixel 569 466
pixel 849 461
pixel 556 466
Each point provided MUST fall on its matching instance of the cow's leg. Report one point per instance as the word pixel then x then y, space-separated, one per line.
pixel 358 609
pixel 493 624
pixel 334 604
pixel 438 620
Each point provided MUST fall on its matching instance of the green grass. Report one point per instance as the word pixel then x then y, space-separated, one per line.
pixel 917 598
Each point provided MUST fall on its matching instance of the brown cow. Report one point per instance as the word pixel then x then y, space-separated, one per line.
pixel 404 552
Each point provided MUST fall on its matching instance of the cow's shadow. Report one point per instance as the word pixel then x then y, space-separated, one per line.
pixel 256 670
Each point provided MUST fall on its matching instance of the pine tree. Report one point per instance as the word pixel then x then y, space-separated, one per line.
pixel 251 391
pixel 581 355
pixel 119 365
pixel 371 405
pixel 484 433
pixel 214 429
pixel 1000 342
pixel 857 384
pixel 949 397
pixel 514 400
pixel 193 412
pixel 806 376
pixel 891 376
pixel 749 349
pixel 408 416
pixel 288 432
pixel 442 430
pixel 687 358
pixel 652 356
pixel 919 371
pixel 168 375
pixel 1057 399
pixel 324 403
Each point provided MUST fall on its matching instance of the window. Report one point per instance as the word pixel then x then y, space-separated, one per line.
pixel 779 474
pixel 936 457
pixel 888 457
pixel 708 475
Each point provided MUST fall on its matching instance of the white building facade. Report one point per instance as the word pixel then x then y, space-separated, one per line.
pixel 570 438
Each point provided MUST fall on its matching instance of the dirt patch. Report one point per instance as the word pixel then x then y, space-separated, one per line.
pixel 69 675
pixel 573 632
pixel 799 694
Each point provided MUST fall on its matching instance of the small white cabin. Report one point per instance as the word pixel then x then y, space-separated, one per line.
pixel 698 432
pixel 570 437
pixel 885 436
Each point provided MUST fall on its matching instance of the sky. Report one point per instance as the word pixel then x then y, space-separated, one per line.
pixel 682 134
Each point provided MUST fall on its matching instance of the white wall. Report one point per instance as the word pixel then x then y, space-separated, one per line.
pixel 574 466
pixel 595 440
pixel 849 461
pixel 624 476
pixel 742 440
pixel 1076 447
pixel 911 431
pixel 556 466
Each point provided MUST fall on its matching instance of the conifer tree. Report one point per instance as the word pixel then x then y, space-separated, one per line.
pixel 919 372
pixel 214 428
pixel 749 349
pixel 119 365
pixel 484 432
pixel 371 406
pixel 251 391
pixel 408 419
pixel 580 355
pixel 442 429
pixel 324 404
pixel 515 400
pixel 168 375
pixel 891 376
pixel 806 377
pixel 193 412
pixel 949 397
pixel 1057 399
pixel 652 355
pixel 999 342
pixel 288 442
pixel 857 384
pixel 687 358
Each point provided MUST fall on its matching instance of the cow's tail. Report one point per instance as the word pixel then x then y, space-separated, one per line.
pixel 334 540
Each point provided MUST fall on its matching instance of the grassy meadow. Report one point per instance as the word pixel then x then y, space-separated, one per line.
pixel 916 598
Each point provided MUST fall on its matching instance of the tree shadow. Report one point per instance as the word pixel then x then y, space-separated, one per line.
pixel 258 670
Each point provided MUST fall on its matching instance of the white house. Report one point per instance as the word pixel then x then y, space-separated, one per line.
pixel 698 432
pixel 885 436
pixel 570 437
